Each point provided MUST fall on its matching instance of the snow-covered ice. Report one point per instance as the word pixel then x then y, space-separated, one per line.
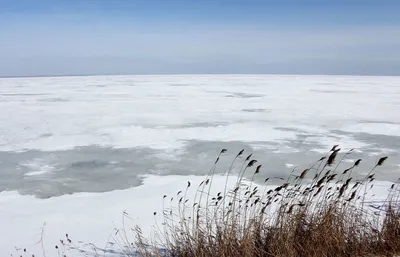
pixel 96 137
pixel 164 111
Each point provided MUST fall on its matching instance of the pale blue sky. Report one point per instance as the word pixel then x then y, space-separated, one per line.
pixel 78 37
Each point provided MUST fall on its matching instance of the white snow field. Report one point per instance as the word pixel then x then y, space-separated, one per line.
pixel 136 111
pixel 75 152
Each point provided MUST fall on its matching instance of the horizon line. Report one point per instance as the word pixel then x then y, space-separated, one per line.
pixel 189 74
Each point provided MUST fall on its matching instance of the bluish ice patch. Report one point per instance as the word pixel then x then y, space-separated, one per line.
pixel 102 169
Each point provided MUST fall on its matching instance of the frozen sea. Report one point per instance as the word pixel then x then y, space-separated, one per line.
pixel 97 136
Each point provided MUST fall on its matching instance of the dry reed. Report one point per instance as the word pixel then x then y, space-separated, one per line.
pixel 320 212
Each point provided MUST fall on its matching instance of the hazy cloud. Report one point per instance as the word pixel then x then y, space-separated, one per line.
pixel 41 49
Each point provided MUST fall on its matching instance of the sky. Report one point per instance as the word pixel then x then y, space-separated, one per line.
pixel 102 37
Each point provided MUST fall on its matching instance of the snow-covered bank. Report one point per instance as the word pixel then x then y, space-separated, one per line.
pixel 87 217
pixel 92 217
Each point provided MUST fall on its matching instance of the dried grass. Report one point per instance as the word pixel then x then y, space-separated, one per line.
pixel 319 212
